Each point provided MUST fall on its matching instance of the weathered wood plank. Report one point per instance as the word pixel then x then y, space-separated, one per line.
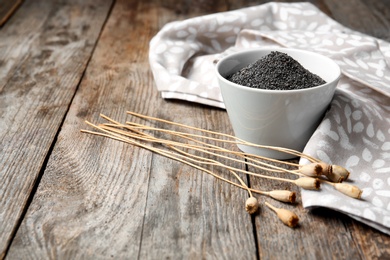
pixel 100 198
pixel 7 8
pixel 43 53
pixel 369 17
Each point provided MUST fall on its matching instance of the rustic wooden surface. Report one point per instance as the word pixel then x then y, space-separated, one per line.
pixel 7 8
pixel 69 195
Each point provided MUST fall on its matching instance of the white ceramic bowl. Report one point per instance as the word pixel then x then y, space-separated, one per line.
pixel 284 118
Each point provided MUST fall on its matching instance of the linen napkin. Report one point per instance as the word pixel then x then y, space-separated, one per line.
pixel 354 133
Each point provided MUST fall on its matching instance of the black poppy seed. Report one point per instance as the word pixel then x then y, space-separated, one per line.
pixel 276 71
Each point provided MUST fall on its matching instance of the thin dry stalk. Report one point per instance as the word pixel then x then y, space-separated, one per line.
pixel 235 139
pixel 290 197
pixel 250 161
pixel 158 151
pixel 202 160
pixel 191 137
pixel 173 156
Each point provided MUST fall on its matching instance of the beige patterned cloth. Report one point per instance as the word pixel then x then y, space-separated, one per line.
pixel 354 133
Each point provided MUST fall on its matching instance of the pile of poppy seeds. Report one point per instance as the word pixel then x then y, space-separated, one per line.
pixel 276 71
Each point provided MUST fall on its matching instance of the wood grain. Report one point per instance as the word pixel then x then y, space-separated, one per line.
pixel 95 202
pixel 369 17
pixel 99 198
pixel 43 53
pixel 7 8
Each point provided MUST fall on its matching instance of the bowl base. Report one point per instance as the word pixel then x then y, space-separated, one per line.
pixel 269 153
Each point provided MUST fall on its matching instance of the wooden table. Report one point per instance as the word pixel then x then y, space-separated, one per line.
pixel 69 195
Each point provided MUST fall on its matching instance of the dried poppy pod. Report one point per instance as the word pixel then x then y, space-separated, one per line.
pixel 283 195
pixel 326 168
pixel 287 217
pixel 311 170
pixel 321 168
pixel 251 205
pixel 349 190
pixel 340 171
pixel 308 183
pixel 328 171
pixel 334 177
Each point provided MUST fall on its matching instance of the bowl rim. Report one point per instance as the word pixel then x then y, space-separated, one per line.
pixel 280 49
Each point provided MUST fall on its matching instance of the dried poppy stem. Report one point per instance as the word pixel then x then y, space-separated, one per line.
pixel 158 151
pixel 202 160
pixel 236 140
pixel 285 196
pixel 191 137
pixel 178 158
pixel 337 175
pixel 149 138
pixel 249 157
pixel 203 149
pixel 305 183
pixel 188 136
